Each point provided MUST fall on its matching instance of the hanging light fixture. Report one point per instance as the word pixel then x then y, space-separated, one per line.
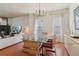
pixel 39 11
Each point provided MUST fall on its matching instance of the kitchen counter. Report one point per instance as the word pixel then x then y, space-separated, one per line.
pixel 72 45
pixel 75 40
pixel 5 42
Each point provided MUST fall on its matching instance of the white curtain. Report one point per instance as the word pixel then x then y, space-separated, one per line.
pixel 57 26
pixel 39 30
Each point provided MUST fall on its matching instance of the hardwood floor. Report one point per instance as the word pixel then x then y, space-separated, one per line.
pixel 61 50
pixel 16 50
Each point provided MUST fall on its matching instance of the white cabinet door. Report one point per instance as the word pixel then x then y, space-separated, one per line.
pixel 74 48
pixel 67 44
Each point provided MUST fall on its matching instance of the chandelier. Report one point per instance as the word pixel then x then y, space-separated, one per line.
pixel 39 11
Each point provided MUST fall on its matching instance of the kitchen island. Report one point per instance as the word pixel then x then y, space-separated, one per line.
pixel 8 41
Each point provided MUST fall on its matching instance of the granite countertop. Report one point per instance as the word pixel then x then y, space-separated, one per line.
pixel 76 40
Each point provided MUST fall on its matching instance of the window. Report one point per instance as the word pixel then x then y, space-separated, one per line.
pixel 39 30
pixel 57 26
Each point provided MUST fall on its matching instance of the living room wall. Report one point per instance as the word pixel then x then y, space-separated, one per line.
pixel 29 20
pixel 18 21
pixel 48 20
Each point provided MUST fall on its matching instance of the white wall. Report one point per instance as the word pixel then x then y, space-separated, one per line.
pixel 19 21
pixel 66 22
pixel 48 20
pixel 27 20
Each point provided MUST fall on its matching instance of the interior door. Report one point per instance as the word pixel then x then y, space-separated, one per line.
pixel 57 27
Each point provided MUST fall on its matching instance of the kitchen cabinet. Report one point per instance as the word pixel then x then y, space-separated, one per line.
pixel 72 46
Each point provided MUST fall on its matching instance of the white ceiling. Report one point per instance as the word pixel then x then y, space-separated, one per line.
pixel 18 9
